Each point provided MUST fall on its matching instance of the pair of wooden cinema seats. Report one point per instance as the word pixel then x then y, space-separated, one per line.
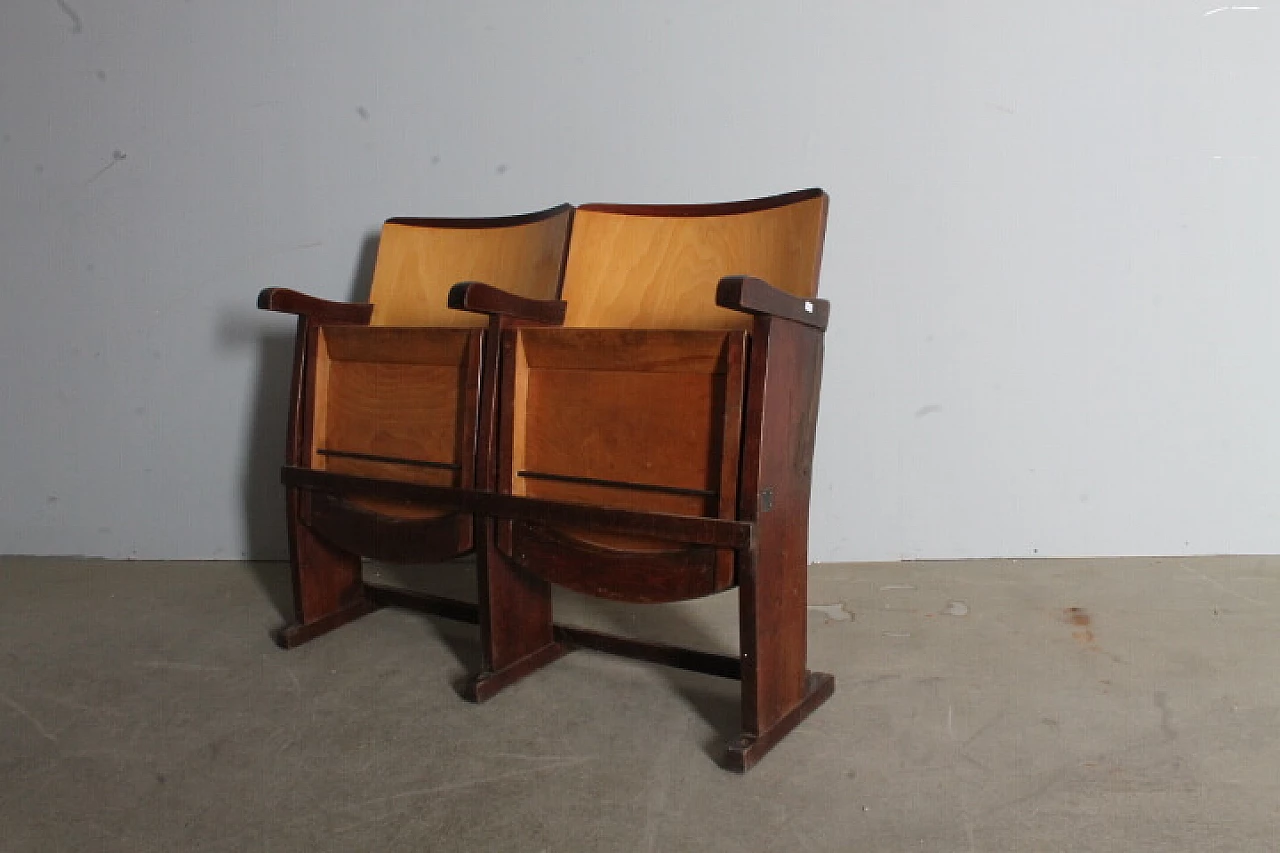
pixel 619 399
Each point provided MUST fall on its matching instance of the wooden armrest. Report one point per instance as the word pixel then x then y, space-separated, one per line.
pixel 288 301
pixel 756 296
pixel 487 299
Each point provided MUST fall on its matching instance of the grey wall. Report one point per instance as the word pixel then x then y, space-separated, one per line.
pixel 1052 251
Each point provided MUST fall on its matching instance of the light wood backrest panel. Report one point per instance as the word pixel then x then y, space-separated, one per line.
pixel 419 260
pixel 643 267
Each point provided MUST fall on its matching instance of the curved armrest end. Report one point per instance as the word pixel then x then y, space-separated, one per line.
pixel 752 295
pixel 287 301
pixel 484 298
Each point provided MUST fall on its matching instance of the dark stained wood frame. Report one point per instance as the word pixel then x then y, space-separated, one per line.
pixel 718 208
pixel 767 537
pixel 328 536
pixel 778 421
pixel 766 533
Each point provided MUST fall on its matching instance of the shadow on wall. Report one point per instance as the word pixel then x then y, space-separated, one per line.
pixel 263 440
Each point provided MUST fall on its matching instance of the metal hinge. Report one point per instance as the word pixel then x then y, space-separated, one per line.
pixel 766 500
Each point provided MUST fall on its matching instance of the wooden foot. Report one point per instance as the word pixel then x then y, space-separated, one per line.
pixel 749 748
pixel 295 635
pixel 487 684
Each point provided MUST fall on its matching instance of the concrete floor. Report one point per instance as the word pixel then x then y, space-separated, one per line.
pixel 1090 705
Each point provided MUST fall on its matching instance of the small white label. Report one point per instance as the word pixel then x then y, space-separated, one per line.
pixel 808 307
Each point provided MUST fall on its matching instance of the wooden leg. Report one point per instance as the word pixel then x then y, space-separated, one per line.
pixel 777 691
pixel 516 630
pixel 328 590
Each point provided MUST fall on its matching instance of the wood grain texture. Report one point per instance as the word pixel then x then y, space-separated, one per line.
pixel 383 535
pixel 286 301
pixel 420 260
pixel 395 393
pixel 782 406
pixel 326 577
pixel 617 574
pixel 482 298
pixel 328 588
pixel 756 296
pixel 745 752
pixel 592 410
pixel 647 267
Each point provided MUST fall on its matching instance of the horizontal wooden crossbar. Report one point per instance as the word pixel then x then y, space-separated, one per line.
pixel 678 657
pixel 618 484
pixel 689 529
pixel 394 460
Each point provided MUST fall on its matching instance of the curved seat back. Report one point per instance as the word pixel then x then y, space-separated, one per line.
pixel 657 266
pixel 420 259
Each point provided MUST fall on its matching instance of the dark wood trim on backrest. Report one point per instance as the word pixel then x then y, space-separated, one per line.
pixel 726 208
pixel 482 222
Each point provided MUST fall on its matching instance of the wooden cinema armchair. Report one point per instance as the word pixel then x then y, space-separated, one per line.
pixel 658 445
pixel 391 391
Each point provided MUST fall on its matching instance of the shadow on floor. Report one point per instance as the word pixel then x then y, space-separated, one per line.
pixel 717 701
pixel 262 496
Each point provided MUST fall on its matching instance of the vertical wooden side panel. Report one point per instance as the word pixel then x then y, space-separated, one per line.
pixel 516 632
pixel 731 446
pixel 469 412
pixel 517 401
pixel 512 406
pixel 782 402
pixel 317 395
pixel 326 580
pixel 490 390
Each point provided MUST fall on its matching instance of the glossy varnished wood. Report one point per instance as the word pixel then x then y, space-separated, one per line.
pixel 657 267
pixel 782 407
pixel 689 530
pixel 626 419
pixel 482 298
pixel 619 574
pixel 619 410
pixel 754 296
pixel 384 534
pixel 327 581
pixel 749 748
pixel 419 260
pixel 403 403
pixel 286 301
